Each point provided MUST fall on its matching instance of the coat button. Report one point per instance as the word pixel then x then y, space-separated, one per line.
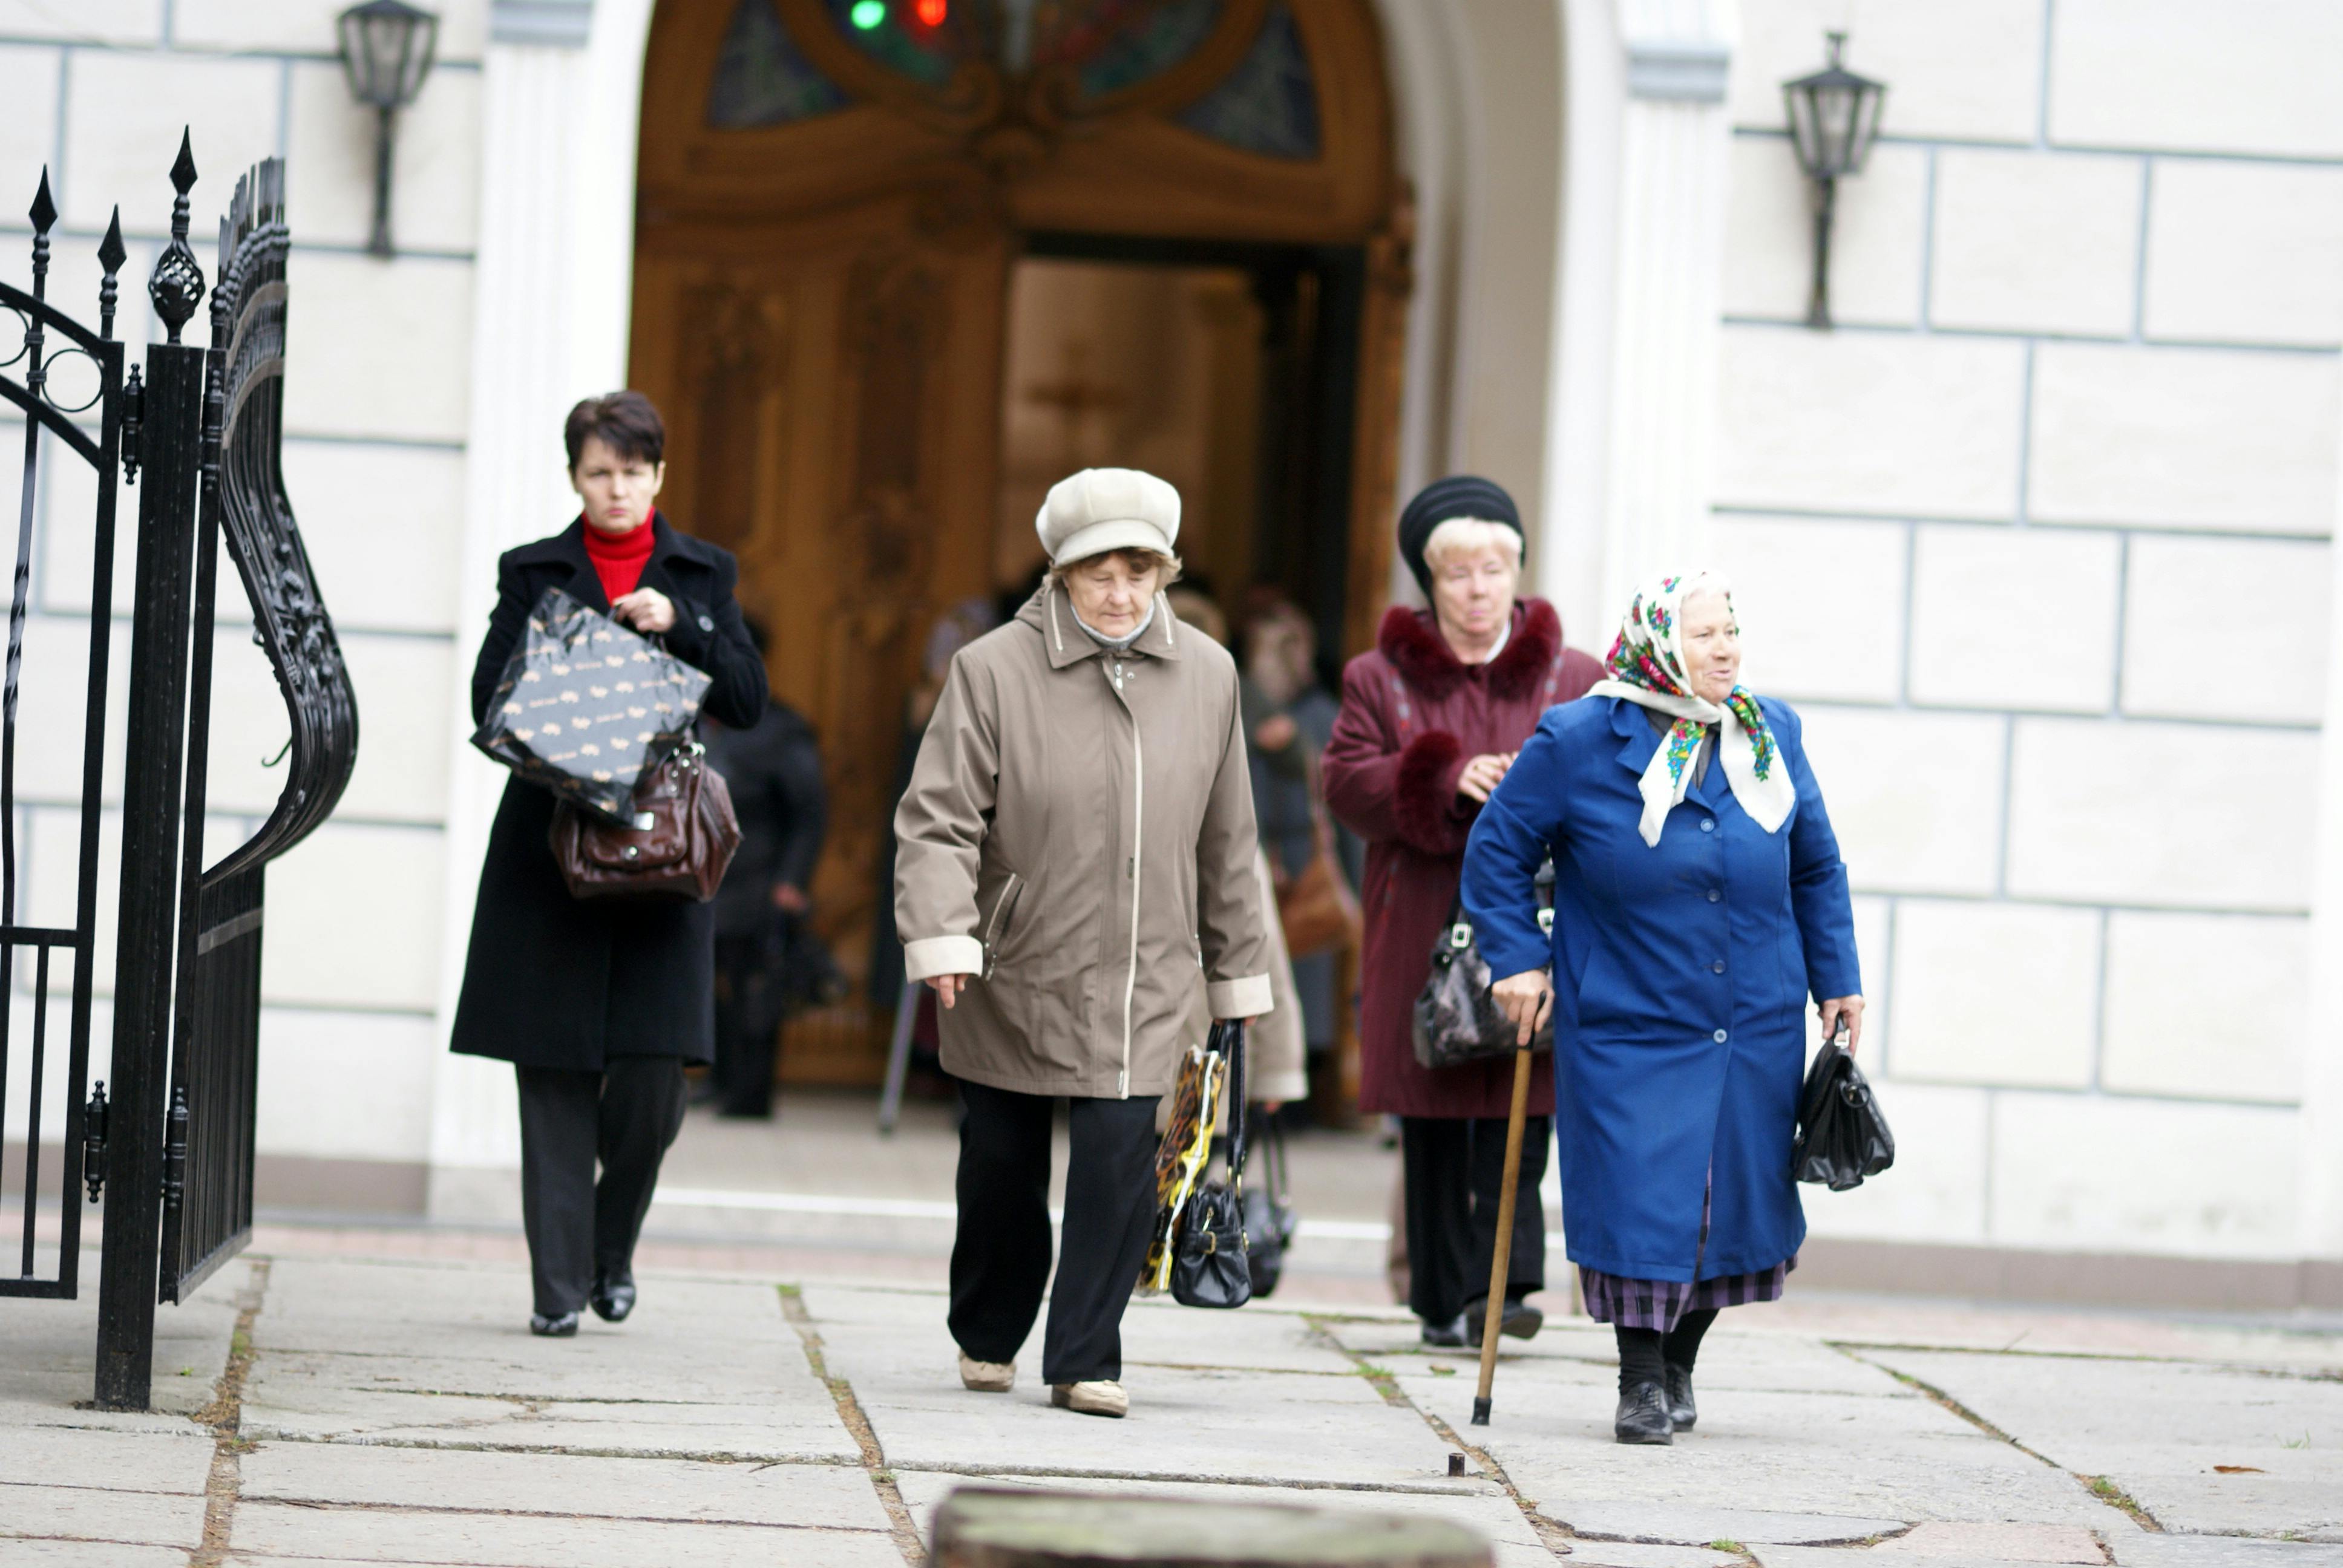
pixel 1720 1037
pixel 706 624
pixel 1714 895
pixel 1708 824
pixel 1717 967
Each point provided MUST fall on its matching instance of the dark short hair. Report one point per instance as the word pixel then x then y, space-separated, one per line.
pixel 626 422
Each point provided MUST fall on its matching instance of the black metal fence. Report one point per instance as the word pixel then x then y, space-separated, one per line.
pixel 200 431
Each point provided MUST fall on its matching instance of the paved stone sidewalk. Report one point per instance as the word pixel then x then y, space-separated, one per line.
pixel 331 1410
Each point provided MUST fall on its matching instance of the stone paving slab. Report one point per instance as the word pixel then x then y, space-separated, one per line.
pixel 457 1420
pixel 1515 1542
pixel 1934 1541
pixel 92 1513
pixel 1190 1424
pixel 1729 1361
pixel 1156 1332
pixel 22 1553
pixel 2152 1549
pixel 1678 1524
pixel 179 1461
pixel 2157 1428
pixel 271 1531
pixel 583 1369
pixel 837 1497
pixel 51 1348
pixel 1586 1554
pixel 1896 1458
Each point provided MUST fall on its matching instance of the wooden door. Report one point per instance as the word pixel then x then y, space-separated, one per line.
pixel 828 212
pixel 832 396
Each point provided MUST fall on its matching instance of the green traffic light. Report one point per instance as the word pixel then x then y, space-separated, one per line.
pixel 868 14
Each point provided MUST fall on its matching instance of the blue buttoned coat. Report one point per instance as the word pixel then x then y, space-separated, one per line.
pixel 1680 977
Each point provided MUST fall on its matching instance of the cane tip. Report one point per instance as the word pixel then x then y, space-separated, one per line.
pixel 1480 1412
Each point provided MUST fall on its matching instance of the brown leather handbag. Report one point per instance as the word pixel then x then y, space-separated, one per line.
pixel 677 844
pixel 1315 905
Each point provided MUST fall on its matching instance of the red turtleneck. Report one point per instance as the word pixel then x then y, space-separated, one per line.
pixel 618 559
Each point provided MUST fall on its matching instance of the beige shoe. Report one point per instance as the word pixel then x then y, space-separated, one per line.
pixel 1100 1397
pixel 987 1377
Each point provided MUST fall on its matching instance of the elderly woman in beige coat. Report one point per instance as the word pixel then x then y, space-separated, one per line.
pixel 1076 845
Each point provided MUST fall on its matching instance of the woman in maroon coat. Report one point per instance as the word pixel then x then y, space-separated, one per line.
pixel 1429 722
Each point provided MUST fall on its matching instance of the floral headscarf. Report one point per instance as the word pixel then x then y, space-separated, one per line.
pixel 1647 666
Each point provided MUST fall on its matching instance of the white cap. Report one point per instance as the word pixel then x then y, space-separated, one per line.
pixel 1102 509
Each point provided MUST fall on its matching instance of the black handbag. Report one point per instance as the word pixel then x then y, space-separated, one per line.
pixel 1842 1136
pixel 1209 1267
pixel 1269 1218
pixel 1456 1019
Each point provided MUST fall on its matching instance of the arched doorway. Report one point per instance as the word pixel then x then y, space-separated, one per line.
pixel 900 262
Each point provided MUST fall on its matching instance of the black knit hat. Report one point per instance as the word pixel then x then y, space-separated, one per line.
pixel 1458 496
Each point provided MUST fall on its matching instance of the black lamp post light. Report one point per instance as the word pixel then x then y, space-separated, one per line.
pixel 1834 120
pixel 387 50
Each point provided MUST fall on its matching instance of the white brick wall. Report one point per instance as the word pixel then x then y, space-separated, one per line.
pixel 1869 422
pixel 2095 921
pixel 2244 253
pixel 2028 242
pixel 1994 993
pixel 2014 617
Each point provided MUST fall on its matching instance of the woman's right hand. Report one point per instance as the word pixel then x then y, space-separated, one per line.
pixel 1484 774
pixel 1525 1000
pixel 948 987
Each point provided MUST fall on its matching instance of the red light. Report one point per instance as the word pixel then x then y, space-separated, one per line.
pixel 930 13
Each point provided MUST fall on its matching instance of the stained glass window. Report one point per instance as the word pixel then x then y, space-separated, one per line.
pixel 893 34
pixel 1269 104
pixel 762 78
pixel 1118 44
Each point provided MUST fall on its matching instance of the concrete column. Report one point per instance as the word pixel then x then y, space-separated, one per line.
pixel 561 88
pixel 1675 136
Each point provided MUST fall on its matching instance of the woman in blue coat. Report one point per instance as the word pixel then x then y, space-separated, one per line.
pixel 1699 900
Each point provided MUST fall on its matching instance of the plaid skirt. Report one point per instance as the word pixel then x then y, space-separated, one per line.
pixel 1630 1303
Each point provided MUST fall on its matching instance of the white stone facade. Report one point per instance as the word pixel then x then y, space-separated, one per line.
pixel 2037 539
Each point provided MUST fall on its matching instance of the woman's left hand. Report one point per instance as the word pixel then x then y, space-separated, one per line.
pixel 1526 1001
pixel 1847 1009
pixel 646 609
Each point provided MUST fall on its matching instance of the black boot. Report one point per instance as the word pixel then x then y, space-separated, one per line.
pixel 1681 1409
pixel 1447 1336
pixel 1644 1415
pixel 1520 1320
pixel 612 1298
pixel 553 1328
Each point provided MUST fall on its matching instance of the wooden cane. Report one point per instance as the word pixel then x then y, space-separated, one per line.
pixel 1500 1264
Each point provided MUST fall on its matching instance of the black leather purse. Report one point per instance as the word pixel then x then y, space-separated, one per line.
pixel 1842 1136
pixel 1456 1019
pixel 1209 1266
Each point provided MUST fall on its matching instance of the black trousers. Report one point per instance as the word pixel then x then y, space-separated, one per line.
pixel 746 1018
pixel 1001 1254
pixel 1453 1179
pixel 581 1230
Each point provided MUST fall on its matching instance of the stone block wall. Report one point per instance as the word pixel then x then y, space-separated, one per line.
pixel 377 408
pixel 2037 539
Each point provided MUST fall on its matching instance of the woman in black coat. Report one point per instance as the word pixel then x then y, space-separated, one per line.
pixel 599 1005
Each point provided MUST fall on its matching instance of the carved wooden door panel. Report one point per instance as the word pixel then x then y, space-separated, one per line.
pixel 831 388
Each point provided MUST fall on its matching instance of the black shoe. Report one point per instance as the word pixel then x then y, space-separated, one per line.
pixel 559 1328
pixel 612 1299
pixel 1448 1336
pixel 1680 1410
pixel 1521 1322
pixel 1644 1415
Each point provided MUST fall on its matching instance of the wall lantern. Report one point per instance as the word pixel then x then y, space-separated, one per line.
pixel 387 48
pixel 1834 120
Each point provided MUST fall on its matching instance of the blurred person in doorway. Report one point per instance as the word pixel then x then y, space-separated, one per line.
pixel 1274 1063
pixel 598 1004
pixel 769 961
pixel 1699 898
pixel 1429 721
pixel 1289 719
pixel 1077 843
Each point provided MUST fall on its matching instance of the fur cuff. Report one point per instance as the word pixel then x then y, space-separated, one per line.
pixel 1425 793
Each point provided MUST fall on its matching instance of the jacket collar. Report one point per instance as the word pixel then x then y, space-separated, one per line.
pixel 1638 743
pixel 1052 613
pixel 1411 640
pixel 569 547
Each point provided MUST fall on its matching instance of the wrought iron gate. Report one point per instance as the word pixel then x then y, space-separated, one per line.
pixel 89 432
pixel 203 429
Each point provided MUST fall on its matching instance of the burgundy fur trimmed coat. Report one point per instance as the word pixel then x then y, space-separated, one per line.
pixel 1412 716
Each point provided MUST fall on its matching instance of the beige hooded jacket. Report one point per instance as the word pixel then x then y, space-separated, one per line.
pixel 1078 834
